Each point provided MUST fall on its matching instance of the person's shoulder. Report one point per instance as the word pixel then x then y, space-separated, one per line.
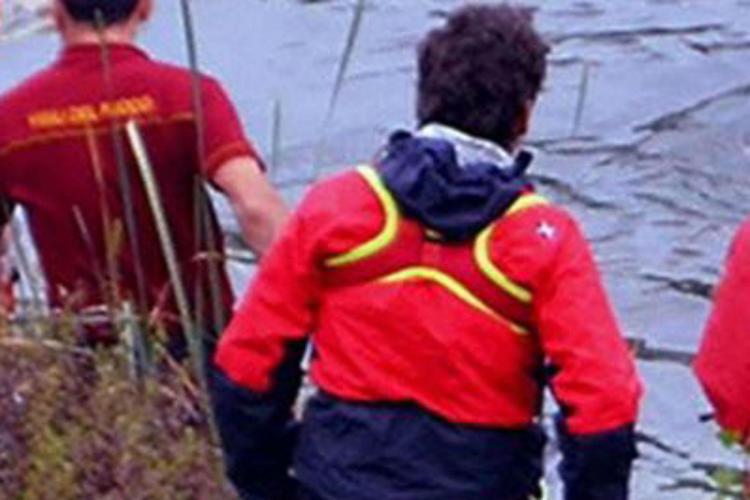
pixel 175 85
pixel 172 73
pixel 743 232
pixel 343 210
pixel 340 195
pixel 739 249
pixel 543 206
pixel 167 68
pixel 28 89
pixel 18 102
pixel 532 234
pixel 534 214
pixel 348 185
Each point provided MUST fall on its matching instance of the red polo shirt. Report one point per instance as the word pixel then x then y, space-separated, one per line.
pixel 58 160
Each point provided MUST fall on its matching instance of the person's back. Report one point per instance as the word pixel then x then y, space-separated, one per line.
pixel 442 295
pixel 65 158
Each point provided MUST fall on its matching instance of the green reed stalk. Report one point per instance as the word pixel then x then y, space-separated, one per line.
pixel 88 242
pixel 111 243
pixel 583 90
pixel 194 336
pixel 165 239
pixel 124 183
pixel 205 223
pixel 275 138
pixel 344 62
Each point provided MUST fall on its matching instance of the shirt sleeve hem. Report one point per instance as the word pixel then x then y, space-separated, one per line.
pixel 230 151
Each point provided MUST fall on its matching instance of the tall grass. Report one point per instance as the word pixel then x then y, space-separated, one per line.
pixel 167 246
pixel 123 422
pixel 338 84
pixel 276 124
pixel 124 181
pixel 73 425
pixel 583 92
pixel 203 222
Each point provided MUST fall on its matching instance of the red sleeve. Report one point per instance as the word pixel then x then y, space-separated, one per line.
pixel 225 138
pixel 278 309
pixel 723 362
pixel 595 379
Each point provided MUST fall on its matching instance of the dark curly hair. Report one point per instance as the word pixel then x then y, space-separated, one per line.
pixel 478 71
pixel 112 11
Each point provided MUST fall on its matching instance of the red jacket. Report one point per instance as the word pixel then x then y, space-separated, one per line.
pixel 411 337
pixel 723 363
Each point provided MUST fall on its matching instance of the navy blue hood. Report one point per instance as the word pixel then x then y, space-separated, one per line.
pixel 458 201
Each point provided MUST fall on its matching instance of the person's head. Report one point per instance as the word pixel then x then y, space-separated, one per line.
pixel 481 72
pixel 120 18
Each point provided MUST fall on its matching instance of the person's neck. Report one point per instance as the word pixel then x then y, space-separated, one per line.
pixel 115 35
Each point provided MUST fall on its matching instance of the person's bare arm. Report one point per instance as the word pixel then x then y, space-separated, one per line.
pixel 260 211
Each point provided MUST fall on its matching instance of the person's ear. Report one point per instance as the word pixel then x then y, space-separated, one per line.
pixel 144 10
pixel 59 15
pixel 524 119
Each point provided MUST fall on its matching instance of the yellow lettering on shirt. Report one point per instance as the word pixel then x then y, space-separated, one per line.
pixel 82 115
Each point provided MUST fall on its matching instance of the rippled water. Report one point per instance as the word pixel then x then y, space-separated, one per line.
pixel 657 168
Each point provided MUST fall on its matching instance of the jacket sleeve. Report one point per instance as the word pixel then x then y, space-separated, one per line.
pixel 723 362
pixel 593 374
pixel 257 375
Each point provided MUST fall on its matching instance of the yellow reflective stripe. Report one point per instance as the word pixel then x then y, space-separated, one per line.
pixel 482 251
pixel 525 202
pixel 491 271
pixel 452 285
pixel 390 227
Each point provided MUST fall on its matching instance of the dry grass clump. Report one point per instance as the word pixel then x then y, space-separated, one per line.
pixel 75 425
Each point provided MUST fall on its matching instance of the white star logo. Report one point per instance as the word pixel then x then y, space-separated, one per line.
pixel 546 231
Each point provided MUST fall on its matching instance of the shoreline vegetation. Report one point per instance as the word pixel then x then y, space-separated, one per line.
pixel 125 421
pixel 128 421
pixel 75 423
